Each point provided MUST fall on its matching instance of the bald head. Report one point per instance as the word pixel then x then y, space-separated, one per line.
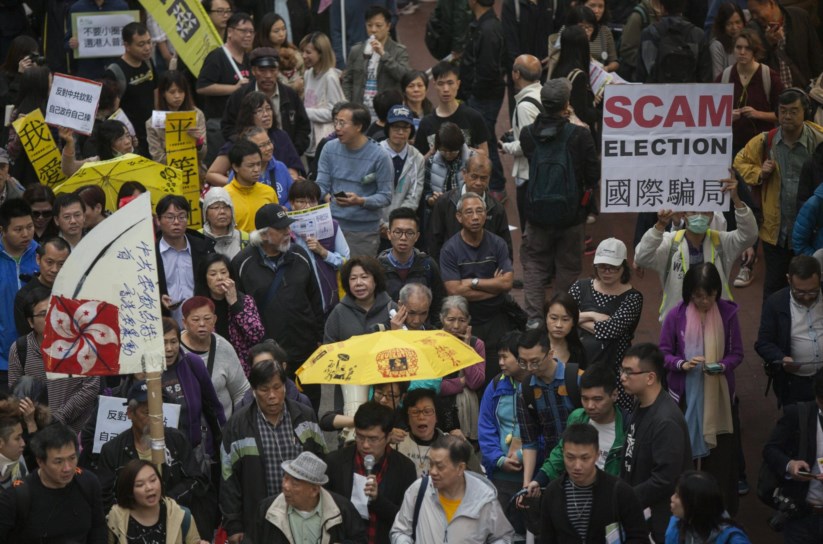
pixel 526 70
pixel 478 162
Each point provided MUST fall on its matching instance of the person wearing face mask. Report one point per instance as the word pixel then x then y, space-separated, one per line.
pixel 671 254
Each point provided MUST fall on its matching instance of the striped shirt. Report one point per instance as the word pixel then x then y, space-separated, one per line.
pixel 70 399
pixel 578 506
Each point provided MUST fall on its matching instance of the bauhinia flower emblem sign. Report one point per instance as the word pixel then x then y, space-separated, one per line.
pixel 82 337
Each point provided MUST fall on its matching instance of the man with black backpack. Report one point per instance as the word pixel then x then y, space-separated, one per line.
pixel 563 172
pixel 58 502
pixel 673 49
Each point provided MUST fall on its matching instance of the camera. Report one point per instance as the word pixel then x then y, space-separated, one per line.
pixel 507 137
pixel 39 60
pixel 787 510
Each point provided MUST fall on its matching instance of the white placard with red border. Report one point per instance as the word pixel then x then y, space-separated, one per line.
pixel 666 147
pixel 73 103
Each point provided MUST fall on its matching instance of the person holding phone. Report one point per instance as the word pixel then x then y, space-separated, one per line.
pixel 702 346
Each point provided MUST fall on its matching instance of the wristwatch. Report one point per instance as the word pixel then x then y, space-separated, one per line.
pixel 475 283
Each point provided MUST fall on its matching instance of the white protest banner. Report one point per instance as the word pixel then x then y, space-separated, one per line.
pixel 73 103
pixel 104 314
pixel 666 146
pixel 313 222
pixel 100 34
pixel 112 420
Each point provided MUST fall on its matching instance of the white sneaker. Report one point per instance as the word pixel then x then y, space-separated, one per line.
pixel 408 9
pixel 744 277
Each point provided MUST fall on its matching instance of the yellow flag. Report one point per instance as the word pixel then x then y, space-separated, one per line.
pixel 188 28
pixel 37 141
pixel 181 153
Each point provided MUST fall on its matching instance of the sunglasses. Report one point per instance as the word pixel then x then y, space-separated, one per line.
pixel 45 214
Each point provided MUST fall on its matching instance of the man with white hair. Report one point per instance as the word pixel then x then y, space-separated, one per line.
pixel 280 278
pixel 305 512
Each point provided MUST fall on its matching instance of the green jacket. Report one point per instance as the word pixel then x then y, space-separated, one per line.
pixel 553 465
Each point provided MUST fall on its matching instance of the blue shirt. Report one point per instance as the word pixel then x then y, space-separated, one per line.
pixel 179 274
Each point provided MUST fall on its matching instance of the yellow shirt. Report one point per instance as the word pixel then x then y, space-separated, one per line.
pixel 450 506
pixel 247 200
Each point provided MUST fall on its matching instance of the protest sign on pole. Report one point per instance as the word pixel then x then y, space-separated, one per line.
pixel 181 153
pixel 112 419
pixel 313 222
pixel 73 103
pixel 38 143
pixel 666 146
pixel 188 28
pixel 100 34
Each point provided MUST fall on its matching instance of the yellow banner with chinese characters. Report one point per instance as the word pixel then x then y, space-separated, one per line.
pixel 188 28
pixel 38 143
pixel 181 153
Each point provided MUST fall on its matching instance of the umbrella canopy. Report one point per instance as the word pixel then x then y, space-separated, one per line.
pixel 110 175
pixel 390 356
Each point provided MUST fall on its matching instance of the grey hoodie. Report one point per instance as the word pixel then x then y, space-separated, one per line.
pixel 229 244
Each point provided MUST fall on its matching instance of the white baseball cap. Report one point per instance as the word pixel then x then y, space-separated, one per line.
pixel 610 251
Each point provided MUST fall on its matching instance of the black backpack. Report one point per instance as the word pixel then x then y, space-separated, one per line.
pixel 438 37
pixel 552 194
pixel 677 56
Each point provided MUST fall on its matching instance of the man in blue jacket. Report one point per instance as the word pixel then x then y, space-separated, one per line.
pixel 17 258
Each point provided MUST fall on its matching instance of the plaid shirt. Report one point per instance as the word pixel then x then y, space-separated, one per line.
pixel 553 407
pixel 378 472
pixel 279 444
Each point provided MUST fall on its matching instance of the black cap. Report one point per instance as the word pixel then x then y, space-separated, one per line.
pixel 138 391
pixel 265 57
pixel 272 216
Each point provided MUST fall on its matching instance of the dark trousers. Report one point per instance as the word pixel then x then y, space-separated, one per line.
pixel 804 530
pixel 491 332
pixel 792 389
pixel 489 109
pixel 777 266
pixel 4 381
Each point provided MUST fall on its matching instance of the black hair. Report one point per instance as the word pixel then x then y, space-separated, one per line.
pixel 242 149
pixel 109 95
pixel 179 202
pixel 572 339
pixel 261 38
pixel 38 193
pixel 411 75
pixel 178 78
pixel 272 348
pixel 449 137
pixel 804 267
pixel 52 437
pixel 792 95
pixel 57 242
pixel 21 47
pixel 124 486
pixel 599 375
pixel 383 102
pixel 724 13
pixel 9 417
pixel 404 213
pixel 649 356
pixel 575 53
pixel 128 189
pixel 236 18
pixel 702 276
pixel 12 209
pixel 105 134
pixel 170 325
pixel 444 68
pixel 371 266
pixel 460 451
pixel 64 201
pixel 533 338
pixel 248 106
pixel 33 297
pixel 262 373
pixel 374 10
pixel 92 195
pixel 582 13
pixel 360 116
pixel 201 286
pixel 133 29
pixel 510 342
pixel 625 274
pixel 33 90
pixel 702 500
pixel 673 7
pixel 305 189
pixel 371 414
pixel 581 434
pixel 416 395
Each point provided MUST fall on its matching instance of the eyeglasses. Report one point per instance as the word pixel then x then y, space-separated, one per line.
pixel 220 207
pixel 811 293
pixel 262 110
pixel 171 218
pixel 607 268
pixel 532 364
pixel 379 395
pixel 428 412
pixel 267 144
pixel 245 31
pixel 45 214
pixel 629 372
pixel 340 123
pixel 368 439
pixel 222 11
pixel 404 233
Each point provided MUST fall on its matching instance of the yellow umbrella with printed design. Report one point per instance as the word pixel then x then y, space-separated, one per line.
pixel 390 356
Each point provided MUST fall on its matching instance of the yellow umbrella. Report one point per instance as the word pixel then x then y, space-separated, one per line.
pixel 390 356
pixel 110 175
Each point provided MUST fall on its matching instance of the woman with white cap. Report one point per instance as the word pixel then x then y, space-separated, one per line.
pixel 609 309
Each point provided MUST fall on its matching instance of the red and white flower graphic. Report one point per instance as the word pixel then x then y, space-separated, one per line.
pixel 82 337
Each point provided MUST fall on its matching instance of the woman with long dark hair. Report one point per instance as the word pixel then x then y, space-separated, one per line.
pixel 21 56
pixel 698 514
pixel 174 94
pixel 573 65
pixel 728 23
pixel 562 320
